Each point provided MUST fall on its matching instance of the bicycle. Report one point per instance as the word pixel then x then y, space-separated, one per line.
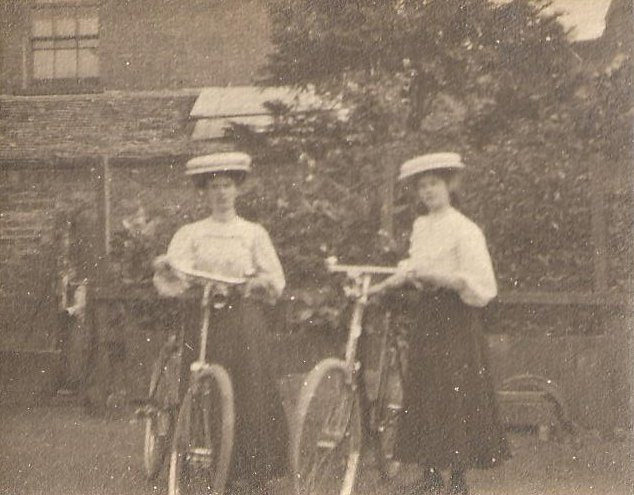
pixel 327 442
pixel 161 406
pixel 203 429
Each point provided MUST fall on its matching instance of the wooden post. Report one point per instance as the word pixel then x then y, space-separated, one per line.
pixel 25 70
pixel 107 204
pixel 387 207
pixel 598 222
pixel 391 155
pixel 101 181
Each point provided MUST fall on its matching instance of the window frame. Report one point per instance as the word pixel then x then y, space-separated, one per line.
pixel 63 85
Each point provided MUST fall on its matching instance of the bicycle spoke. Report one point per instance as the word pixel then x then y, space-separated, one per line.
pixel 387 414
pixel 159 413
pixel 327 458
pixel 316 468
pixel 331 444
pixel 325 466
pixel 207 434
pixel 204 436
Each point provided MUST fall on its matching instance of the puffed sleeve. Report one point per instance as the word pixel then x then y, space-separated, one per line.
pixel 180 251
pixel 267 264
pixel 179 254
pixel 406 265
pixel 475 269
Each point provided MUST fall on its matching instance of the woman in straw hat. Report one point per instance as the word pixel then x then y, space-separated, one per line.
pixel 450 421
pixel 226 244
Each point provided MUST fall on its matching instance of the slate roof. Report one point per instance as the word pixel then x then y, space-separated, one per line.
pixel 132 124
pixel 113 123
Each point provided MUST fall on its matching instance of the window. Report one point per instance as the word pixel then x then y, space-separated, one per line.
pixel 65 41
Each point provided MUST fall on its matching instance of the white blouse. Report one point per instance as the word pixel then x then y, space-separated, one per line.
pixel 450 244
pixel 237 248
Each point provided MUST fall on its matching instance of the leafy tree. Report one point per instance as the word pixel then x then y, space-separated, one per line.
pixel 488 80
pixel 498 62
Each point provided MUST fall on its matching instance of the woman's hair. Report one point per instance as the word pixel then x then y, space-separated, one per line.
pixel 201 181
pixel 447 175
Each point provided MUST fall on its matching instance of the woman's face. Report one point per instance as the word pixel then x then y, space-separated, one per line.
pixel 222 192
pixel 434 191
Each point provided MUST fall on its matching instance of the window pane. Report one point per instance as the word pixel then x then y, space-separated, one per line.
pixel 43 64
pixel 65 44
pixel 72 47
pixel 88 22
pixel 88 63
pixel 43 44
pixel 65 26
pixel 42 24
pixel 88 43
pixel 65 63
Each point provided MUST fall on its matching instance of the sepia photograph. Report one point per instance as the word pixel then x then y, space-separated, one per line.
pixel 316 247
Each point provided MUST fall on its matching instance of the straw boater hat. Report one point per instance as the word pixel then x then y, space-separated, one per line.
pixel 219 162
pixel 430 161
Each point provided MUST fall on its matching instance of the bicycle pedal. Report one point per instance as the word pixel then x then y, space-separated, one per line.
pixel 199 366
pixel 326 444
pixel 200 458
pixel 145 411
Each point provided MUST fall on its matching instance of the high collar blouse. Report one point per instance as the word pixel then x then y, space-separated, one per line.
pixel 237 248
pixel 449 243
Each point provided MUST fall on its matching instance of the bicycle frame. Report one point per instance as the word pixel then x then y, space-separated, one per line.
pixel 361 275
pixel 192 444
pixel 211 283
pixel 331 410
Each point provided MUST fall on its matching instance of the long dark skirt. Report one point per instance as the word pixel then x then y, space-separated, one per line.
pixel 450 416
pixel 238 341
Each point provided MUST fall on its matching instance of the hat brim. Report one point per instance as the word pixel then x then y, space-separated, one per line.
pixel 414 173
pixel 219 163
pixel 218 170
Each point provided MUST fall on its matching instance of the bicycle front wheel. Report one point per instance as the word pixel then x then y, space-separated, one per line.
pixel 203 439
pixel 160 419
pixel 326 446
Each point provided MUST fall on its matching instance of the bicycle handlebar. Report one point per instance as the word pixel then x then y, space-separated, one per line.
pixel 206 277
pixel 353 271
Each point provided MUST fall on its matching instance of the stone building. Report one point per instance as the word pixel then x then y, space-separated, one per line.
pixel 88 88
pixel 87 82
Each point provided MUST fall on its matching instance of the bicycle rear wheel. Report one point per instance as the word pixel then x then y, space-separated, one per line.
pixel 326 447
pixel 203 440
pixel 160 413
pixel 386 413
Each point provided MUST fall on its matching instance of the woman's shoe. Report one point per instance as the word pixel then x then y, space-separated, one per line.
pixel 458 484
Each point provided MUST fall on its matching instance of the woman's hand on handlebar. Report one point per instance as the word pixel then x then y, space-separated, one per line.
pixel 433 278
pixel 166 280
pixel 391 282
pixel 258 288
pixel 376 289
pixel 161 263
pixel 163 268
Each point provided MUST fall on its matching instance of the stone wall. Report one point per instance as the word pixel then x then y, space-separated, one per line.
pixel 33 208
